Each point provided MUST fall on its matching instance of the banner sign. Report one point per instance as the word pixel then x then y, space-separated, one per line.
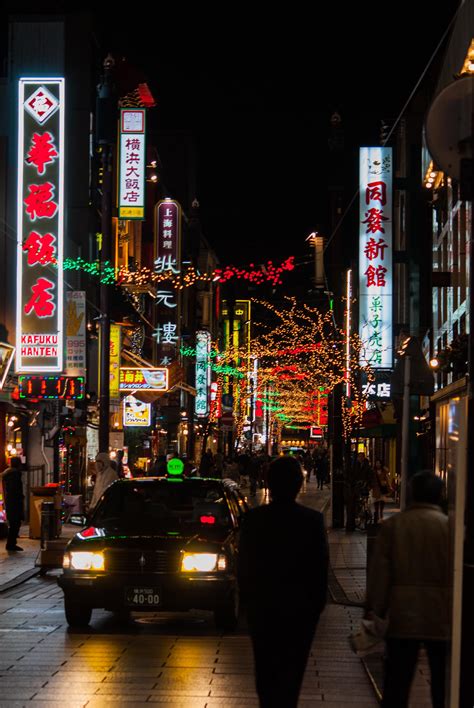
pixel 6 358
pixel 167 236
pixel 51 387
pixel 115 349
pixel 132 160
pixel 375 257
pixel 135 413
pixel 135 379
pixel 76 333
pixel 203 373
pixel 167 259
pixel 379 389
pixel 40 209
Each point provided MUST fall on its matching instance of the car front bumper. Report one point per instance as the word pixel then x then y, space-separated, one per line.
pixel 176 591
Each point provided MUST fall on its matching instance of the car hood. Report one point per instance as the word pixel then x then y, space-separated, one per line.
pixel 112 537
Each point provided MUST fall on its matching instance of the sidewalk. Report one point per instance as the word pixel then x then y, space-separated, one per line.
pixel 19 566
pixel 347 586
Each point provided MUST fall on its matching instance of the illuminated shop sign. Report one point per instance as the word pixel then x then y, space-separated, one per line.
pixel 40 208
pixel 167 236
pixel 76 333
pixel 132 160
pixel 47 387
pixel 135 379
pixel 167 260
pixel 375 257
pixel 115 358
pixel 203 373
pixel 379 388
pixel 136 414
pixel 6 357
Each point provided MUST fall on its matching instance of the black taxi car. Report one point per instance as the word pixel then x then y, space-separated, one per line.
pixel 157 544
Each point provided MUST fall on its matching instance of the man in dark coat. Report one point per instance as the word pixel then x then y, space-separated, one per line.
pixel 13 496
pixel 283 567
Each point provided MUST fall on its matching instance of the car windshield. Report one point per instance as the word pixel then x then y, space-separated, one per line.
pixel 163 506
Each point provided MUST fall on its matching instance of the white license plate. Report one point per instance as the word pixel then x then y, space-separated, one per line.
pixel 142 597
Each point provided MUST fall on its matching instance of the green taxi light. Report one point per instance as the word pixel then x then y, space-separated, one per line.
pixel 175 467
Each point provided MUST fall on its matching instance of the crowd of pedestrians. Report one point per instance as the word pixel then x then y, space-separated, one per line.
pixel 251 468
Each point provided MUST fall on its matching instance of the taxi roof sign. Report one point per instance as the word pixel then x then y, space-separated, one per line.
pixel 175 467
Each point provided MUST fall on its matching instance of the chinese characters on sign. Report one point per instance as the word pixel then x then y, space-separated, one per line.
pixel 115 359
pixel 203 373
pixel 167 259
pixel 131 204
pixel 379 389
pixel 135 379
pixel 375 258
pixel 135 413
pixel 76 333
pixel 167 235
pixel 40 205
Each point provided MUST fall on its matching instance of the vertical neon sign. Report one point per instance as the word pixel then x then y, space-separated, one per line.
pixel 203 373
pixel 132 160
pixel 40 210
pixel 375 257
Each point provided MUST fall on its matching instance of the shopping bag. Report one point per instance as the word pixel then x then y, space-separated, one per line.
pixel 369 638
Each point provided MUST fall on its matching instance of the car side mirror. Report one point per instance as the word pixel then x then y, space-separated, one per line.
pixel 78 520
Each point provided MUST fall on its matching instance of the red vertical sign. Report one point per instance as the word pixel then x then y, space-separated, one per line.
pixel 39 322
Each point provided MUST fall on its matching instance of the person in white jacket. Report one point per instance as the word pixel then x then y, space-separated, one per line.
pixel 105 475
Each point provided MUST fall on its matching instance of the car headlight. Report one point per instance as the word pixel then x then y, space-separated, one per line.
pixel 84 560
pixel 202 562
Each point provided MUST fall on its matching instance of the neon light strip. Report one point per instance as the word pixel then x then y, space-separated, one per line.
pixel 348 331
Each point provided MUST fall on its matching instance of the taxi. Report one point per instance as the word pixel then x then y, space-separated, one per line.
pixel 157 543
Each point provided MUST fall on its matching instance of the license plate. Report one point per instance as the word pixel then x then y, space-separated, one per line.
pixel 142 597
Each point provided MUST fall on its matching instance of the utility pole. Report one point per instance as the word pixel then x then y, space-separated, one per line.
pixel 106 116
pixel 405 433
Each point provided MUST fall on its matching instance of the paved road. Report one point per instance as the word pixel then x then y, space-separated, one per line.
pixel 168 658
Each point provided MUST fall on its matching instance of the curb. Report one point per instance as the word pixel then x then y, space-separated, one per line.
pixel 371 677
pixel 19 579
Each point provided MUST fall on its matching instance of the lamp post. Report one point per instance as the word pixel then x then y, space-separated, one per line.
pixel 106 118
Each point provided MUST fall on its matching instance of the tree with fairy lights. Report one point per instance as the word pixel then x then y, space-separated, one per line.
pixel 302 355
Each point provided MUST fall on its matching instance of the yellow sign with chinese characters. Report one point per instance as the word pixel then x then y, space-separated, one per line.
pixel 135 379
pixel 115 345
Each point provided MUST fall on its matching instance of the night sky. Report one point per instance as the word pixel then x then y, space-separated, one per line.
pixel 257 90
pixel 257 94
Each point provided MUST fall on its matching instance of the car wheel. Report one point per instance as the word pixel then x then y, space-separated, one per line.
pixel 77 615
pixel 226 615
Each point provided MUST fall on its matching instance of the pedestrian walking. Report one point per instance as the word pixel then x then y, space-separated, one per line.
pixel 308 464
pixel 207 464
pixel 120 466
pixel 282 572
pixel 105 475
pixel 321 469
pixel 13 497
pixel 409 584
pixel 380 488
